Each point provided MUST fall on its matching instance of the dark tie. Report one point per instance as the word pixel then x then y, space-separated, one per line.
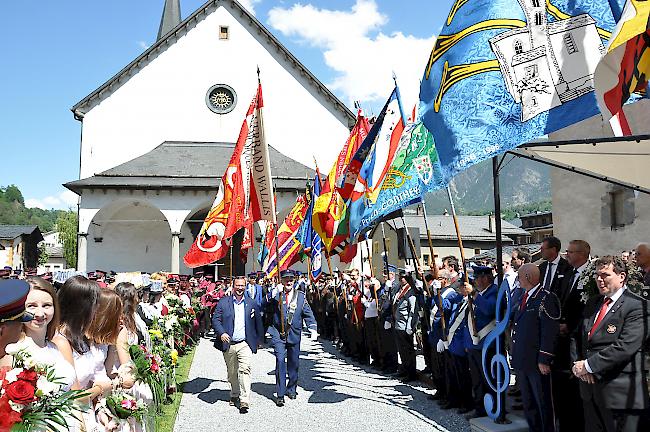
pixel 601 314
pixel 574 279
pixel 547 279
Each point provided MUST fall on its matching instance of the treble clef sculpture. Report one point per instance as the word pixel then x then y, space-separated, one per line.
pixel 498 374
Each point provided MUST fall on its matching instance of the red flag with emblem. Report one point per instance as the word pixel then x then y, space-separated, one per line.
pixel 242 197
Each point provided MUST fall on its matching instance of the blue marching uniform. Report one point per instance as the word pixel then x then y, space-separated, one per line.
pixel 287 349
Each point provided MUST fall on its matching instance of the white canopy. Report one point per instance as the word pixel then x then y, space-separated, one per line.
pixel 589 148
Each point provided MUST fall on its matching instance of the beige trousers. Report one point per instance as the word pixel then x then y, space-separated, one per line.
pixel 238 363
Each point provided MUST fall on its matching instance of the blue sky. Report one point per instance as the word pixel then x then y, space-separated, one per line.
pixel 56 52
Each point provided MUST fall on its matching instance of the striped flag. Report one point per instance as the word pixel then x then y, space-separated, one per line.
pixel 329 207
pixel 288 244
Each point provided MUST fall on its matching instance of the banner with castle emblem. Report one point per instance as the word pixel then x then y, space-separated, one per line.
pixel 504 72
pixel 414 171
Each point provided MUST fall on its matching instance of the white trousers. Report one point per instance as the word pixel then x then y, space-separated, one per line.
pixel 238 363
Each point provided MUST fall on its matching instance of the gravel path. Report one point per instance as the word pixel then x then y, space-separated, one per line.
pixel 332 394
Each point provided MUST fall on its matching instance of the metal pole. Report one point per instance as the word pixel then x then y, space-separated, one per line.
pixel 499 251
pixel 277 270
pixel 383 240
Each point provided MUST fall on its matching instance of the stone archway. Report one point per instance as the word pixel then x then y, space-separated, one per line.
pixel 129 235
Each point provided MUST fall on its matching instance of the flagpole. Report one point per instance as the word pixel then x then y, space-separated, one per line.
pixel 470 300
pixel 416 259
pixel 277 268
pixel 434 271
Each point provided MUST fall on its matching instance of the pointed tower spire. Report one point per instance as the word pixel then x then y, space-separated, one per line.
pixel 171 17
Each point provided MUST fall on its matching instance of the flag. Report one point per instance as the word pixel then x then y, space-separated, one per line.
pixel 244 195
pixel 264 250
pixel 311 241
pixel 262 204
pixel 329 206
pixel 247 242
pixel 503 72
pixel 625 67
pixel 288 244
pixel 415 170
pixel 383 141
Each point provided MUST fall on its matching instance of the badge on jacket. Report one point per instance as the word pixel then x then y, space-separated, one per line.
pixel 611 329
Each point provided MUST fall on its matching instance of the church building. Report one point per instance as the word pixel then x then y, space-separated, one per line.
pixel 157 136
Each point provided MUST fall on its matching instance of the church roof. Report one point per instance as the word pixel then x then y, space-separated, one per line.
pixel 83 106
pixel 188 165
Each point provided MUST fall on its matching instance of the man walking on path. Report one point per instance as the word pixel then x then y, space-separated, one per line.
pixel 237 323
pixel 285 336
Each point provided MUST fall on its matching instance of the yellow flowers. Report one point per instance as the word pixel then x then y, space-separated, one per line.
pixel 174 355
pixel 156 334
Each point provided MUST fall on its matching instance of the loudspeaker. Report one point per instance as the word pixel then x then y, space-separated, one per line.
pixel 403 244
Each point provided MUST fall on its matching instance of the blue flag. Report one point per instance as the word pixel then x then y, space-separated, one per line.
pixel 503 72
pixel 315 241
pixel 308 238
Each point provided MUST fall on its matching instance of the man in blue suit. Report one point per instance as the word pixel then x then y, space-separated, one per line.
pixel 254 289
pixel 285 336
pixel 535 330
pixel 484 295
pixel 237 323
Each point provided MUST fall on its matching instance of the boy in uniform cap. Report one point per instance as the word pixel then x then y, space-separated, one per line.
pixel 13 294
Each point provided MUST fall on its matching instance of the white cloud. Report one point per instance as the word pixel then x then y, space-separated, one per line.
pixel 63 201
pixel 363 57
pixel 249 4
pixel 143 45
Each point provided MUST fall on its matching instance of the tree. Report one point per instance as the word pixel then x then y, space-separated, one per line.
pixel 13 194
pixel 66 225
pixel 43 256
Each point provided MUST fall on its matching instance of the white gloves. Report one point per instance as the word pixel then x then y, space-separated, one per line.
pixel 387 325
pixel 409 332
pixel 440 347
pixel 314 334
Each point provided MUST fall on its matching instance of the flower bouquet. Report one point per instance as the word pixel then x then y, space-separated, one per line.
pixel 32 397
pixel 125 407
pixel 149 371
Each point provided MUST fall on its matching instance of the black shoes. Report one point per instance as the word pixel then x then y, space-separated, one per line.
pixel 279 402
pixel 291 395
pixel 243 409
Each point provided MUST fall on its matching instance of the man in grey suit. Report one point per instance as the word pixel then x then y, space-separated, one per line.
pixel 610 348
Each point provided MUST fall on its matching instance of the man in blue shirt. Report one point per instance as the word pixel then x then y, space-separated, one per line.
pixel 237 323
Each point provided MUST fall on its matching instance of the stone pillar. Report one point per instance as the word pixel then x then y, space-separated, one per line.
pixel 176 255
pixel 82 251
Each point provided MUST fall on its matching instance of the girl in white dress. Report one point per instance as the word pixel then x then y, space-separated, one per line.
pixel 38 333
pixel 78 304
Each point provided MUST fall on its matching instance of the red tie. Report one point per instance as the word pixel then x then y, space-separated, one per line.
pixel 601 314
pixel 522 306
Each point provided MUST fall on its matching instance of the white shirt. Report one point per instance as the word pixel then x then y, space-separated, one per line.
pixel 555 262
pixel 617 295
pixel 370 304
pixel 510 278
pixel 579 271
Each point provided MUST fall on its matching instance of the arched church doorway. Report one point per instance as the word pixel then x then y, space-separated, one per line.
pixel 129 235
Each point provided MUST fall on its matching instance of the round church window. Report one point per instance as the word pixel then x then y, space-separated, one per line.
pixel 221 98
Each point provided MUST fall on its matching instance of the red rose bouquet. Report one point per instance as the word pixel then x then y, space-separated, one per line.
pixel 32 397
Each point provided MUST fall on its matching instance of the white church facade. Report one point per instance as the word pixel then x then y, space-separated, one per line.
pixel 157 136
